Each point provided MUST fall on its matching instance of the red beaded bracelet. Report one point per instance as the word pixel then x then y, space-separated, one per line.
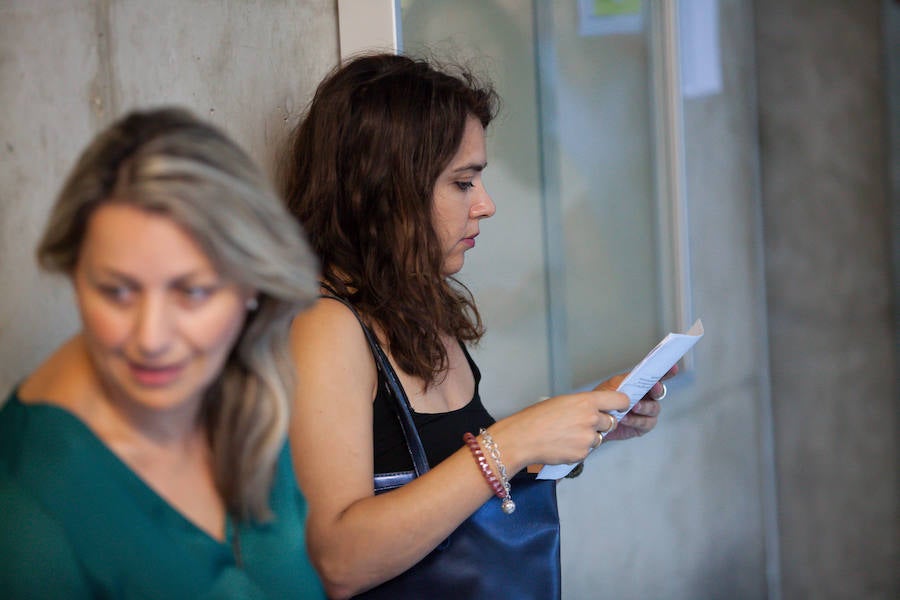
pixel 486 470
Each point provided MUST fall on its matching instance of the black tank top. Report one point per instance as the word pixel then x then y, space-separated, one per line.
pixel 441 433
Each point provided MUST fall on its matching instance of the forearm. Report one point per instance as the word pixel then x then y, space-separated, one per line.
pixel 378 537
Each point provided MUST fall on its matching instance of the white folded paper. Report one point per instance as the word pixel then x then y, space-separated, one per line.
pixel 641 378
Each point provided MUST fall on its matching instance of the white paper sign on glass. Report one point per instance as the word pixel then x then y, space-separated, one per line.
pixel 641 378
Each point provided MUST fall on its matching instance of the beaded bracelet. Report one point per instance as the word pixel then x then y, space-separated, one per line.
pixel 486 470
pixel 507 505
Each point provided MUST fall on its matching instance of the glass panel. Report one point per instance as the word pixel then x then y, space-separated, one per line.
pixel 506 270
pixel 571 255
pixel 604 128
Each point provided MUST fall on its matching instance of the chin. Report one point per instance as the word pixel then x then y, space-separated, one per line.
pixel 160 399
pixel 452 267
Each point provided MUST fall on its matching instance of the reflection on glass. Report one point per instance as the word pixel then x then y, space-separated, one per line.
pixel 606 196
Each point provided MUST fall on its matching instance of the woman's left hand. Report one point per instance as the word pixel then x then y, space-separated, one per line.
pixel 643 416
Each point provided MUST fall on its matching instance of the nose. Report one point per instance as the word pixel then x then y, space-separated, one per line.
pixel 483 206
pixel 153 327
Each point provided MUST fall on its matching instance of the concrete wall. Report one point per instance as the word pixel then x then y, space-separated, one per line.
pixel 823 143
pixel 68 68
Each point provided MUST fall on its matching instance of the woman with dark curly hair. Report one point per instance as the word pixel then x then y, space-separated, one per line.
pixel 385 174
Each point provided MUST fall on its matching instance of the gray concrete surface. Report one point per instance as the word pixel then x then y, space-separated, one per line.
pixel 823 143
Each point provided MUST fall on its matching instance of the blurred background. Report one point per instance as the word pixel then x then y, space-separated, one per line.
pixel 772 214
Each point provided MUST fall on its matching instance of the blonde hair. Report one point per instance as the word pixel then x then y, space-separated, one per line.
pixel 168 162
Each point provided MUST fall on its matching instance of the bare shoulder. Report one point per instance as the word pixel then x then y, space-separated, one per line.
pixel 325 322
pixel 61 378
pixel 328 335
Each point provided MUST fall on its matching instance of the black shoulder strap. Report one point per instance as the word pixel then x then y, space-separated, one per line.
pixel 396 392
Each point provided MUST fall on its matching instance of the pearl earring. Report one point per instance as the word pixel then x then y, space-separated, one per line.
pixel 252 304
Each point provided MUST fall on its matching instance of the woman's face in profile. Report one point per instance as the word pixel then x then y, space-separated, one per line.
pixel 460 199
pixel 158 319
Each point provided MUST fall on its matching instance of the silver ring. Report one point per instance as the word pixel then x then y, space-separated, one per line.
pixel 599 441
pixel 665 391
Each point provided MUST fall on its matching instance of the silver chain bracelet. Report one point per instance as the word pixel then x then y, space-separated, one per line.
pixel 493 449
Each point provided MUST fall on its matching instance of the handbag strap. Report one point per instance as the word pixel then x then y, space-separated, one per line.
pixel 396 392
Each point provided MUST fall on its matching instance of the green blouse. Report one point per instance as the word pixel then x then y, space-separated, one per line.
pixel 76 522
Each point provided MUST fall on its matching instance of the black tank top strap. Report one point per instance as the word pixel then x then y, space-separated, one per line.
pixel 476 372
pixel 440 433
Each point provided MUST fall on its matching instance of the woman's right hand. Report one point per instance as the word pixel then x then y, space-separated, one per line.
pixel 561 429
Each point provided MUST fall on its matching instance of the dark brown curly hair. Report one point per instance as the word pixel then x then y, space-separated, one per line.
pixel 359 174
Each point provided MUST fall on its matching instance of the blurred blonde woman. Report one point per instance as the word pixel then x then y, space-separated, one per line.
pixel 146 456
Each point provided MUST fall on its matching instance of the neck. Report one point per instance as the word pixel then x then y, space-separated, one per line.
pixel 171 427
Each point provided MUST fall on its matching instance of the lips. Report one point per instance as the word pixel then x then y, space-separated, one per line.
pixel 155 375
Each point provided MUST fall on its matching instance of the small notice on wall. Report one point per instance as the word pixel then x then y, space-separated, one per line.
pixel 607 17
pixel 701 64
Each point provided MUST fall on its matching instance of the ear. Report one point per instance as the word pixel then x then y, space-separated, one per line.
pixel 251 300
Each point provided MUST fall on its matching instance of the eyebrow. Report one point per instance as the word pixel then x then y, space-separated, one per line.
pixel 128 279
pixel 477 167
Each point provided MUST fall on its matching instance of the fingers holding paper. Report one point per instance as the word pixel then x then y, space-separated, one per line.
pixel 643 416
pixel 658 391
pixel 558 430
